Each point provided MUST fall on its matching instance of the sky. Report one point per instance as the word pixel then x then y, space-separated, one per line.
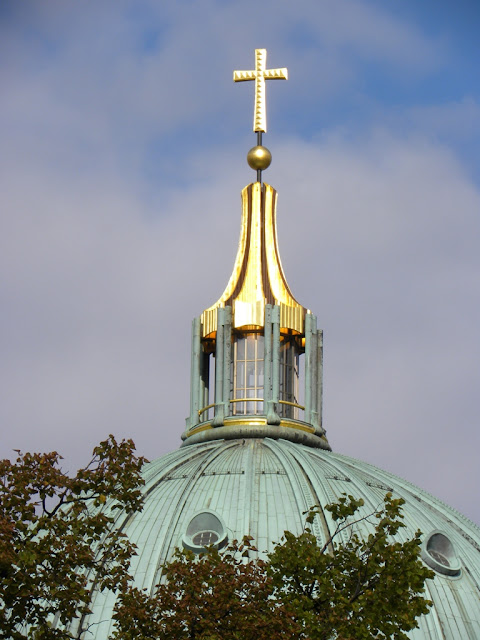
pixel 122 158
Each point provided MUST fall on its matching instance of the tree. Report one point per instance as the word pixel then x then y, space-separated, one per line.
pixel 208 597
pixel 358 589
pixel 57 537
pixel 58 541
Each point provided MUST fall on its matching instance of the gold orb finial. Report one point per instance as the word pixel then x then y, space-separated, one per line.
pixel 259 158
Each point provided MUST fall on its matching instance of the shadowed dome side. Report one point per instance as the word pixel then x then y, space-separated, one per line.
pixel 261 487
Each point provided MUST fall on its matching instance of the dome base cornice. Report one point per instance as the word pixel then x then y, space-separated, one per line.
pixel 257 427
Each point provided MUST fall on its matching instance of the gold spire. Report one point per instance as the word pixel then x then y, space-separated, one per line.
pixel 260 74
pixel 257 277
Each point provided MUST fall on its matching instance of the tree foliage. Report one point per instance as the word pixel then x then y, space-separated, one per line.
pixel 51 527
pixel 346 589
pixel 216 595
pixel 58 540
pixel 357 587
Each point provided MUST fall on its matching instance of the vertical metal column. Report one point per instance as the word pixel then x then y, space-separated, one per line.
pixel 267 387
pixel 320 380
pixel 195 371
pixel 314 406
pixel 219 344
pixel 310 359
pixel 227 359
pixel 272 415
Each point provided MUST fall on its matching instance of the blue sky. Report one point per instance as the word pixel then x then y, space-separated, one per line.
pixel 122 159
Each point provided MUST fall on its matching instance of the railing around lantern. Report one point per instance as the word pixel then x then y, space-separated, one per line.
pixel 209 406
pixel 292 404
pixel 233 400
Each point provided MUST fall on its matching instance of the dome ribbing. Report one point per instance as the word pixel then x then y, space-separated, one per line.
pixel 260 487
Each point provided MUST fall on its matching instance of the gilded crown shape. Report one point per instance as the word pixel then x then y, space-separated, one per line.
pixel 258 277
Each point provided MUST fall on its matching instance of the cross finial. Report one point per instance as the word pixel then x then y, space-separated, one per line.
pixel 260 74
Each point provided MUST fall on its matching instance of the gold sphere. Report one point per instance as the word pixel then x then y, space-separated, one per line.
pixel 259 158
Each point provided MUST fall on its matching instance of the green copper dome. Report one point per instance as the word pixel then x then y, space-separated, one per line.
pixel 218 491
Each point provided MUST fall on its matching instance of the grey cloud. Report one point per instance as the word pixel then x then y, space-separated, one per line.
pixel 103 268
pixel 392 231
pixel 104 303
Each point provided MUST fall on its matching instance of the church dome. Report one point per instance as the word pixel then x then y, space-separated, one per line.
pixel 255 456
pixel 218 491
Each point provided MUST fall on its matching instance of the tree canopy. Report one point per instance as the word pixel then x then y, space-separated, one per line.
pixel 361 588
pixel 51 527
pixel 58 539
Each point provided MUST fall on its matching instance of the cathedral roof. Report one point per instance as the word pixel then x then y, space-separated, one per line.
pixel 262 487
pixel 254 458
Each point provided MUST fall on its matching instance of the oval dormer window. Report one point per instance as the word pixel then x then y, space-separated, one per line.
pixel 439 554
pixel 205 529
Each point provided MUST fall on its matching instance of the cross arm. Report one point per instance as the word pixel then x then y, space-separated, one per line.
pixel 276 74
pixel 239 76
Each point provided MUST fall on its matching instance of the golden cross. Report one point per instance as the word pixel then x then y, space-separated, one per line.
pixel 260 74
